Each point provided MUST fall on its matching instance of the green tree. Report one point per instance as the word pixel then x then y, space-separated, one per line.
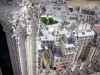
pixel 51 20
pixel 48 21
pixel 43 19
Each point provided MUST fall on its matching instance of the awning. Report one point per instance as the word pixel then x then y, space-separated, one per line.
pixel 63 67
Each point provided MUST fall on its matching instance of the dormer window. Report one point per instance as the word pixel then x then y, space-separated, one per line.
pixel 73 32
pixel 83 33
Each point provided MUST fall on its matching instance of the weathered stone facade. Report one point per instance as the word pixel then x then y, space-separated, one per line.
pixel 20 28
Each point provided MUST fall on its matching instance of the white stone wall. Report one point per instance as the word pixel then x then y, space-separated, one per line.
pixel 22 53
pixel 13 54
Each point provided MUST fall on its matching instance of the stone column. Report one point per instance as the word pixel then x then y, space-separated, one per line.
pixel 14 54
pixel 22 52
pixel 31 52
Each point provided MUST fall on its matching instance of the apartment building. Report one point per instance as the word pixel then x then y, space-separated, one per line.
pixel 82 40
pixel 69 51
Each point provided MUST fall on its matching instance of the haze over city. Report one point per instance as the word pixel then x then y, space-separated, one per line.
pixel 49 37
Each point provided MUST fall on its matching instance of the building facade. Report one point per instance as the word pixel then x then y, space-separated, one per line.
pixel 19 39
pixel 82 41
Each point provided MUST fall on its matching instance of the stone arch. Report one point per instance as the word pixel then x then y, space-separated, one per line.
pixel 13 50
